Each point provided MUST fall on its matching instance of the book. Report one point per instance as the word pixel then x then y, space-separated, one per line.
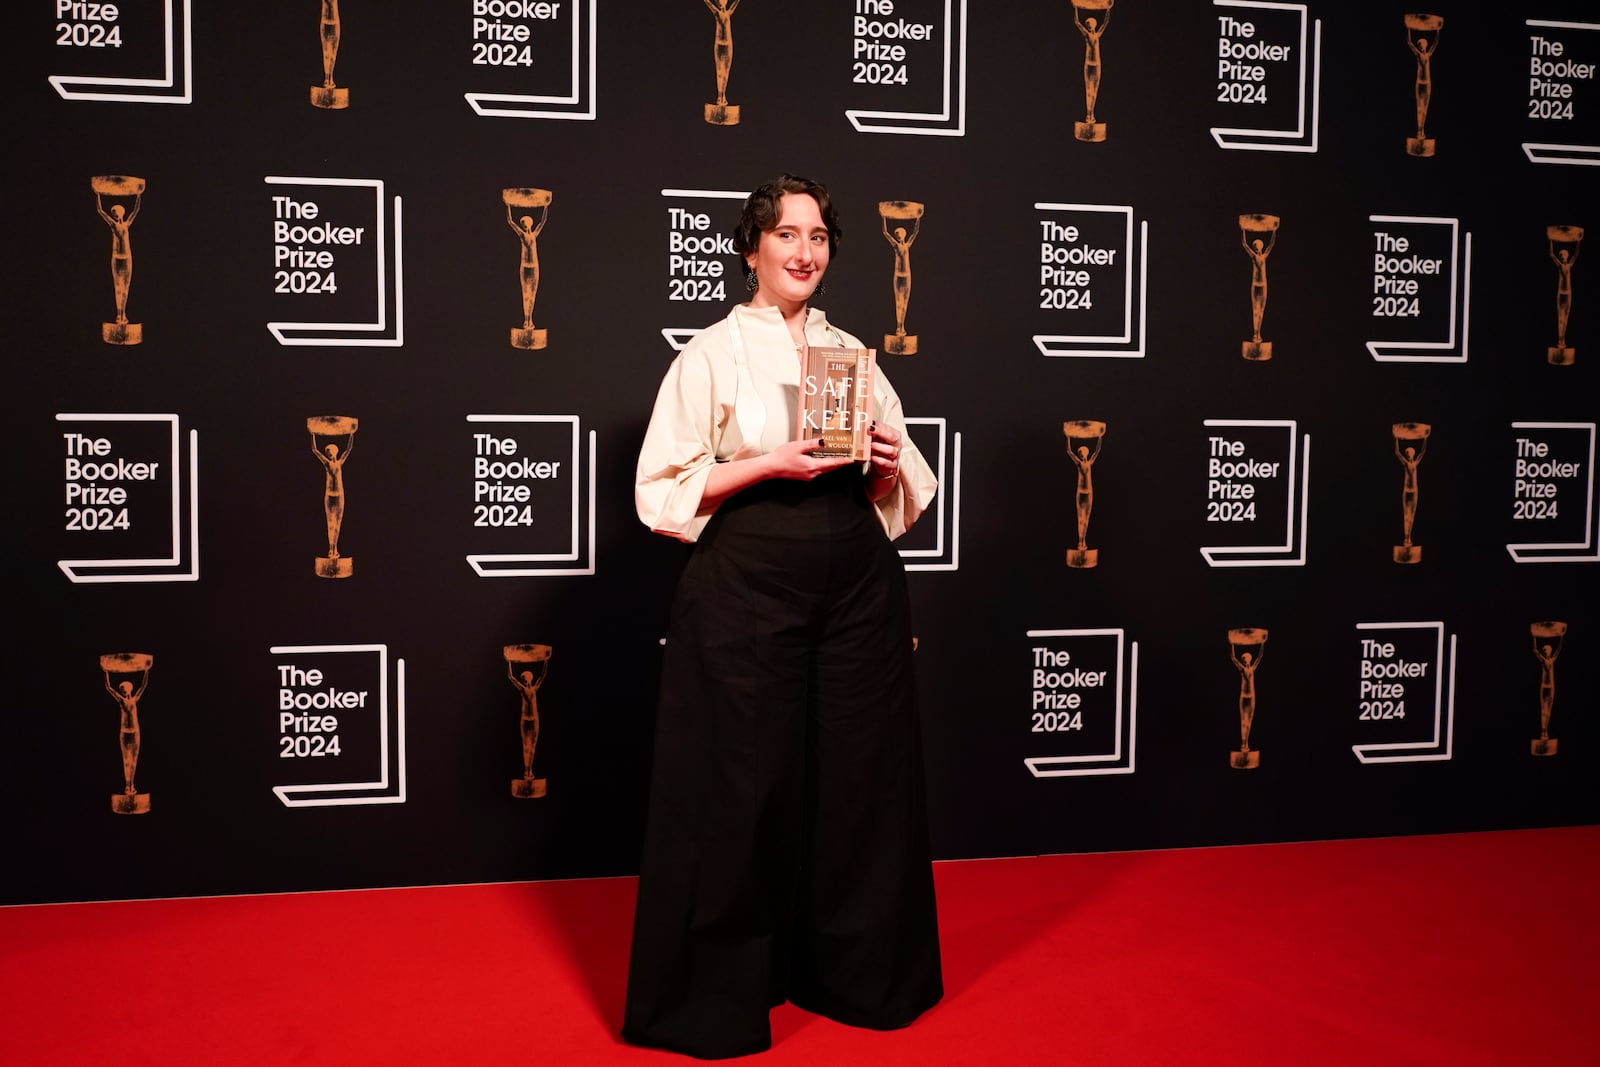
pixel 836 399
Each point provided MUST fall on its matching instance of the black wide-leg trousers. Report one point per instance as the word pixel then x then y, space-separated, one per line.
pixel 786 851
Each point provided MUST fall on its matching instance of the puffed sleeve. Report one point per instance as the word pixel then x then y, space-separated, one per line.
pixel 679 450
pixel 901 508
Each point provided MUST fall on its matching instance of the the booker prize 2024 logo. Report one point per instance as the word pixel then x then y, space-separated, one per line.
pixel 907 67
pixel 137 51
pixel 1405 683
pixel 531 495
pixel 1562 64
pixel 1082 698
pixel 1093 271
pixel 531 59
pixel 1257 491
pixel 1268 76
pixel 338 269
pixel 1421 288
pixel 341 725
pixel 131 498
pixel 1554 511
pixel 699 251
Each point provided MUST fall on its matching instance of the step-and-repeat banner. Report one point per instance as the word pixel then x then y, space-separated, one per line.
pixel 1253 344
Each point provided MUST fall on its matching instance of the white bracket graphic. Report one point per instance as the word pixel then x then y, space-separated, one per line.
pixel 1096 345
pixel 357 334
pixel 947 503
pixel 1585 551
pixel 96 571
pixel 515 565
pixel 1293 540
pixel 167 89
pixel 1125 727
pixel 1579 155
pixel 389 787
pixel 1251 139
pixel 1438 745
pixel 951 118
pixel 678 336
pixel 1453 349
pixel 574 104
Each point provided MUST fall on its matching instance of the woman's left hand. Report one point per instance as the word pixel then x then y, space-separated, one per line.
pixel 884 463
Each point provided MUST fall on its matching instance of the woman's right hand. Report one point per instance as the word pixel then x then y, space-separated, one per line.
pixel 793 460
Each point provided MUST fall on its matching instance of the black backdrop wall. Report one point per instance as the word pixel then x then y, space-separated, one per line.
pixel 1373 534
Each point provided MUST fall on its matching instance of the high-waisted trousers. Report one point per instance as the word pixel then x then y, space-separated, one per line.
pixel 786 852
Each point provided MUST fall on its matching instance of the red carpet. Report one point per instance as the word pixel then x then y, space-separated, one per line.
pixel 1461 950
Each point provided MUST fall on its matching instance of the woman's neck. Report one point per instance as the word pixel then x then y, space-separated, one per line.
pixel 793 317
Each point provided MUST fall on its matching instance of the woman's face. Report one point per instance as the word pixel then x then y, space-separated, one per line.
pixel 790 258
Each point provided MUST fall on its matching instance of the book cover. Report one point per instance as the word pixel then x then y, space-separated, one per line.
pixel 836 399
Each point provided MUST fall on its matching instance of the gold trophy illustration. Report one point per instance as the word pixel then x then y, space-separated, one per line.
pixel 332 438
pixel 1091 17
pixel 1422 37
pixel 1258 233
pixel 534 664
pixel 1546 647
pixel 1564 242
pixel 128 665
pixel 326 96
pixel 119 217
pixel 1410 443
pixel 1084 437
pixel 901 343
pixel 527 231
pixel 1245 647
pixel 722 113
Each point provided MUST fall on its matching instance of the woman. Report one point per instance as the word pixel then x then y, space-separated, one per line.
pixel 786 847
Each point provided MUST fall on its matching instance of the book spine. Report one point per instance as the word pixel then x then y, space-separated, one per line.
pixel 866 364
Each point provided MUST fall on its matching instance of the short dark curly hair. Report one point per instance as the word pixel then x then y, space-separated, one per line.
pixel 760 213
